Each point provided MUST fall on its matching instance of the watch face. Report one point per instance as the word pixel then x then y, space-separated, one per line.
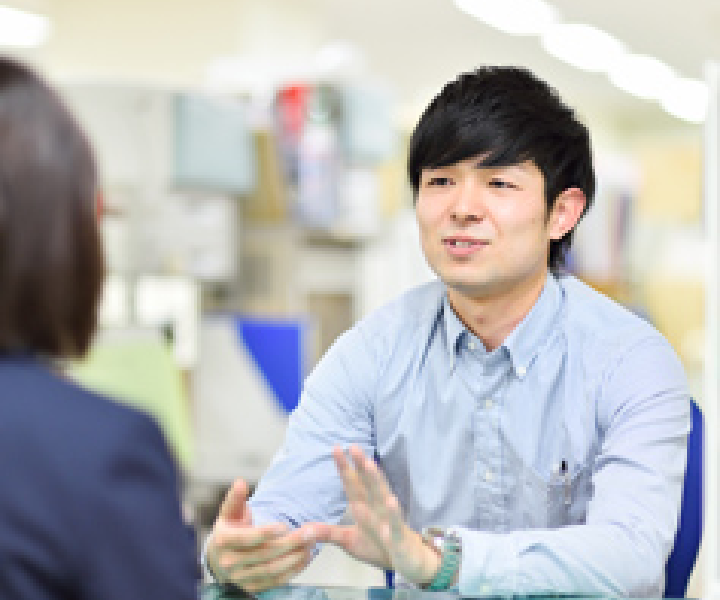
pixel 435 537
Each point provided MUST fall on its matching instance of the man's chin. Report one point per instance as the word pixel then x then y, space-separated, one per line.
pixel 490 287
pixel 473 289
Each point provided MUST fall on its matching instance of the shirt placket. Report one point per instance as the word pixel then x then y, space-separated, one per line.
pixel 489 513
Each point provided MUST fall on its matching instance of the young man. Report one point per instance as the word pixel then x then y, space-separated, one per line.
pixel 541 427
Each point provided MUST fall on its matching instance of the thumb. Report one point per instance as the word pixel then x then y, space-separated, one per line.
pixel 234 506
pixel 337 535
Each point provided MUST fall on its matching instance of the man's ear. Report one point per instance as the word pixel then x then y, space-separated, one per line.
pixel 566 212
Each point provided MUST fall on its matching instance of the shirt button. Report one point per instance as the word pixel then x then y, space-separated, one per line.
pixel 485 590
pixel 521 371
pixel 471 345
pixel 488 476
pixel 488 402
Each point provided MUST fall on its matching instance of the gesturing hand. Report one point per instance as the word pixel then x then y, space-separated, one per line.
pixel 380 535
pixel 255 558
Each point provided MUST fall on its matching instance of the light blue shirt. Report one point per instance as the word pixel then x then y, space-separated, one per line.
pixel 558 457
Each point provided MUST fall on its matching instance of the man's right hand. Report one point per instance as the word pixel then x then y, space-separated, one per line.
pixel 255 558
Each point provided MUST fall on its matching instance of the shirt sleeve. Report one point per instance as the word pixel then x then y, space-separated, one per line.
pixel 335 409
pixel 644 418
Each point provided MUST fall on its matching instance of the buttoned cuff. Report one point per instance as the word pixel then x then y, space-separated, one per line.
pixel 489 563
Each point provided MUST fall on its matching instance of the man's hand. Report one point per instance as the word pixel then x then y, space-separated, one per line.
pixel 255 558
pixel 380 536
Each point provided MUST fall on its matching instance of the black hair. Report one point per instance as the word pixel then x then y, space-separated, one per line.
pixel 510 116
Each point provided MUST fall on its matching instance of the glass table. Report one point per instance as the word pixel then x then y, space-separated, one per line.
pixel 297 592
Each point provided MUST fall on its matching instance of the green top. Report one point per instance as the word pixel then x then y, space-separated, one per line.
pixel 144 374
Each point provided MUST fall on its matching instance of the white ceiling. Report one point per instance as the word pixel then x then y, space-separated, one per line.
pixel 414 46
pixel 424 43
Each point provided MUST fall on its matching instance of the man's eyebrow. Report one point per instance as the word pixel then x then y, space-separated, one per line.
pixel 521 166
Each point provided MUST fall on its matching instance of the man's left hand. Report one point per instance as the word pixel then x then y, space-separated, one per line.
pixel 380 535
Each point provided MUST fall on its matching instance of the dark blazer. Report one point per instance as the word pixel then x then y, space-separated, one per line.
pixel 89 504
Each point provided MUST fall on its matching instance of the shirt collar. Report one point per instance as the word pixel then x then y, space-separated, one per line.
pixel 525 341
pixel 533 332
pixel 454 328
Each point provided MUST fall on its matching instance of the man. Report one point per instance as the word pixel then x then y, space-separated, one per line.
pixel 539 425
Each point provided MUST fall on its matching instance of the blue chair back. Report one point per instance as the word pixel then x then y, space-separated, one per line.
pixel 687 541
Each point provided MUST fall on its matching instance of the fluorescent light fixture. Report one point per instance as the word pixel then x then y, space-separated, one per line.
pixel 516 17
pixel 591 49
pixel 22 29
pixel 686 99
pixel 337 57
pixel 642 76
pixel 583 46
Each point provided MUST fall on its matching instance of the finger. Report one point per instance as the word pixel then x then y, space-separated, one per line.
pixel 354 489
pixel 233 506
pixel 379 481
pixel 271 568
pixel 242 538
pixel 214 562
pixel 272 574
pixel 396 522
pixel 372 478
pixel 234 558
pixel 338 535
pixel 378 491
pixel 246 538
pixel 261 585
pixel 361 465
pixel 368 522
pixel 303 539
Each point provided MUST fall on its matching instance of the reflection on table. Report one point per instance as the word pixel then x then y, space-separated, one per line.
pixel 295 592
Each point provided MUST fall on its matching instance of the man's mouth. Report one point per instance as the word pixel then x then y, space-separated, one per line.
pixel 464 242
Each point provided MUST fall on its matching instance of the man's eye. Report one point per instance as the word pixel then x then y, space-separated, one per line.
pixel 438 181
pixel 501 183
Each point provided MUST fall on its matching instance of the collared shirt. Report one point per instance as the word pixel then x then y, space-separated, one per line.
pixel 558 457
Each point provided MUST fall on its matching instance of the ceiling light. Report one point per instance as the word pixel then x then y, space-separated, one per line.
pixel 22 29
pixel 686 99
pixel 337 57
pixel 583 46
pixel 592 49
pixel 517 17
pixel 642 76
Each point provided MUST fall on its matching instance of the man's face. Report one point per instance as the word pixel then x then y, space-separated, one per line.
pixel 484 230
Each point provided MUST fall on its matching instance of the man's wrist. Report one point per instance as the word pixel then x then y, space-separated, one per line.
pixel 432 562
pixel 449 546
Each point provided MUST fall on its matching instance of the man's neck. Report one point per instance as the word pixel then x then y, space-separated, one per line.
pixel 493 317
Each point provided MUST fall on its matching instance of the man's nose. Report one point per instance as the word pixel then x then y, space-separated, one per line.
pixel 468 204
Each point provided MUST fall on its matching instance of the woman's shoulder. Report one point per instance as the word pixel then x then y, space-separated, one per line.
pixel 49 410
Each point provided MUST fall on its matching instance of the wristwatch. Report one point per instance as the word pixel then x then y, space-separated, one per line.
pixel 449 545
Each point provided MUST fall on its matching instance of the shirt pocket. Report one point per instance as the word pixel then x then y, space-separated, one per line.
pixel 567 496
pixel 547 499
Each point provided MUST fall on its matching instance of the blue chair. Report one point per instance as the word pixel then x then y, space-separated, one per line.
pixel 390 579
pixel 681 561
pixel 687 541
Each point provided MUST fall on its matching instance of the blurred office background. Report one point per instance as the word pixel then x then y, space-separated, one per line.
pixel 252 155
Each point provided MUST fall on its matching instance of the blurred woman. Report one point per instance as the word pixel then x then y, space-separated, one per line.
pixel 89 503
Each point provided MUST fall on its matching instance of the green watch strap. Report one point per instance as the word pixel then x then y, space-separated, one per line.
pixel 450 547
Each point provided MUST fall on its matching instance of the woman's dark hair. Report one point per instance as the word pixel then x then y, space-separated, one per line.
pixel 51 259
pixel 509 116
